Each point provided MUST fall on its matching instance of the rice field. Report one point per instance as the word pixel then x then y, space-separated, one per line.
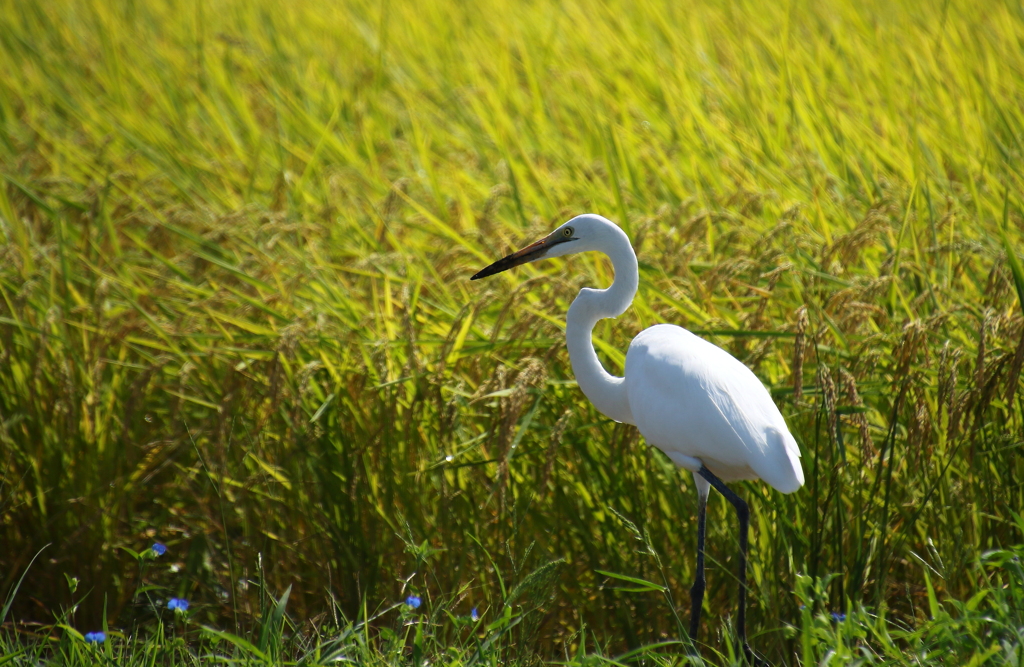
pixel 236 322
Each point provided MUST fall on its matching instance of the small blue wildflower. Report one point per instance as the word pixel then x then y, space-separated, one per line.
pixel 95 637
pixel 474 615
pixel 177 604
pixel 838 616
pixel 158 549
pixel 413 601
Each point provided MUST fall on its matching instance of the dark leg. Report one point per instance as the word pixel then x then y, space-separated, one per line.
pixel 743 512
pixel 697 592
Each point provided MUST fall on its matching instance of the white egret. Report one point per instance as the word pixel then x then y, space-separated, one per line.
pixel 691 399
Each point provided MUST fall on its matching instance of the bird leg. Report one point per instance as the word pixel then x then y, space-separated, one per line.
pixel 697 592
pixel 743 512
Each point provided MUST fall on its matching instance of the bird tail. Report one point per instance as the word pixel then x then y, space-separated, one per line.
pixel 785 472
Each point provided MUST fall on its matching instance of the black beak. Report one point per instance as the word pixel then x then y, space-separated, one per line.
pixel 530 253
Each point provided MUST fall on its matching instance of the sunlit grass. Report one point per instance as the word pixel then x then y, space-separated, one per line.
pixel 235 316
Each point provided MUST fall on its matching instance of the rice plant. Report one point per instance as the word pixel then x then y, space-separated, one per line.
pixel 236 320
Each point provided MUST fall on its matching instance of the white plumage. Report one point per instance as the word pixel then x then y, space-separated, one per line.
pixel 699 404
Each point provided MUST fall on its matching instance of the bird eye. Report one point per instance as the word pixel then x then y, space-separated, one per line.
pixel 567 232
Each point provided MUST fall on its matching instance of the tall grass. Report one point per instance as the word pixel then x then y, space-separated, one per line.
pixel 235 314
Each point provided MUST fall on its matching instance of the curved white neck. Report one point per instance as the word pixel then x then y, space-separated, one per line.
pixel 606 391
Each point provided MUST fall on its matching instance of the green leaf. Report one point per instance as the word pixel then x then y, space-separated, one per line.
pixel 237 641
pixel 273 627
pixel 1011 255
pixel 323 406
pixel 933 602
pixel 14 591
pixel 642 585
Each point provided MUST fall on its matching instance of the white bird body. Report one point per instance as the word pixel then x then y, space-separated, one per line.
pixel 693 400
pixel 699 404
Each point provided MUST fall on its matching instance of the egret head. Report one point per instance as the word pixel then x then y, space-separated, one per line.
pixel 582 233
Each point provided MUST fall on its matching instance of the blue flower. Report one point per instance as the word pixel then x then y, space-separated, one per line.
pixel 474 615
pixel 413 601
pixel 177 604
pixel 158 549
pixel 838 616
pixel 95 637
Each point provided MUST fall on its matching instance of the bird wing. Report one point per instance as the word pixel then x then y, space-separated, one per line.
pixel 691 398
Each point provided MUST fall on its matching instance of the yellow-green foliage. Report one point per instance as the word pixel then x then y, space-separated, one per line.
pixel 235 312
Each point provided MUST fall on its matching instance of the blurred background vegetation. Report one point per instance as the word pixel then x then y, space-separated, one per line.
pixel 235 314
